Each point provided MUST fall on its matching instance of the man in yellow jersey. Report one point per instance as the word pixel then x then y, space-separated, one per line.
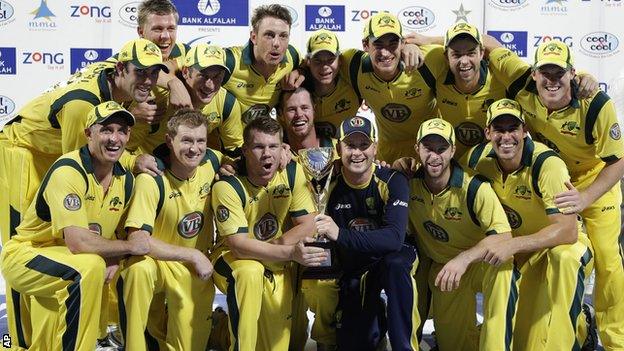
pixel 177 262
pixel 258 67
pixel 65 249
pixel 586 134
pixel 367 218
pixel 455 217
pixel 202 74
pixel 53 123
pixel 401 100
pixel 334 98
pixel 549 246
pixel 251 210
pixel 297 114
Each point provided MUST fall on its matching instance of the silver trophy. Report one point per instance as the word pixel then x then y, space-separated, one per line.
pixel 318 164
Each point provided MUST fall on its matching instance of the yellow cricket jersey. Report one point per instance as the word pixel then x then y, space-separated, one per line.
pixel 586 133
pixel 466 112
pixel 256 94
pixel 70 195
pixel 330 110
pixel 178 53
pixel 261 212
pixel 527 194
pixel 54 122
pixel 400 106
pixel 224 122
pixel 177 211
pixel 456 219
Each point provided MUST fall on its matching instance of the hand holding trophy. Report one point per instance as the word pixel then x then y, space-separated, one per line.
pixel 318 164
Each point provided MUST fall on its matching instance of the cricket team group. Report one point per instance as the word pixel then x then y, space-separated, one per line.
pixel 135 188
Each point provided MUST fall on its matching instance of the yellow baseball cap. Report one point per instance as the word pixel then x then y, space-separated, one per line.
pixel 504 107
pixel 553 52
pixel 380 24
pixel 323 40
pixel 462 28
pixel 203 56
pixel 100 113
pixel 143 54
pixel 436 126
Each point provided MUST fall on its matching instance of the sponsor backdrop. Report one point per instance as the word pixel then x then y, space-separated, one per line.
pixel 43 41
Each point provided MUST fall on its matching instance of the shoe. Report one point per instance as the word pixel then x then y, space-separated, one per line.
pixel 591 341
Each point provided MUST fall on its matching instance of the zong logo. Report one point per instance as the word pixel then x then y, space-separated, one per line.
pixel 48 58
pixel 599 44
pixel 90 11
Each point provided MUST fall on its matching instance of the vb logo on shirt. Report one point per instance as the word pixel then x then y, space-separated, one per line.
pixel 191 224
pixel 266 228
pixel 437 232
pixel 515 221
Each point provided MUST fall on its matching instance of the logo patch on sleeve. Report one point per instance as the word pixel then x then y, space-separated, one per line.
pixel 615 133
pixel 222 213
pixel 72 202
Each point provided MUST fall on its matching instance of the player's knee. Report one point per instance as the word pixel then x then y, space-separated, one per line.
pixel 564 257
pixel 92 268
pixel 249 271
pixel 139 267
pixel 398 261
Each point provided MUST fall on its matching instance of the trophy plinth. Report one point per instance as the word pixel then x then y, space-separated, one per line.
pixel 318 165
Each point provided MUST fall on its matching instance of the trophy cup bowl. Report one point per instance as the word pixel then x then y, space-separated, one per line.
pixel 318 164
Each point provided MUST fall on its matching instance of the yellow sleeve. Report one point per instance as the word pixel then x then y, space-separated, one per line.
pixel 65 195
pixel 506 66
pixel 142 211
pixel 551 181
pixel 489 211
pixel 345 63
pixel 231 128
pixel 607 134
pixel 228 209
pixel 435 60
pixel 73 118
pixel 302 199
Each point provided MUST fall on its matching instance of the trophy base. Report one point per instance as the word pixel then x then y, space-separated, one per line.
pixel 328 269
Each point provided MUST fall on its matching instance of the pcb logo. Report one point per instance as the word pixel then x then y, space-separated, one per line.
pixel 191 224
pixel 437 232
pixel 266 228
pixel 222 213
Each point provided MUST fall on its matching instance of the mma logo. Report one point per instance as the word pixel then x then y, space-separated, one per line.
pixel 469 134
pixel 396 112
pixel 515 221
pixel 266 228
pixel 437 232
pixel 191 224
